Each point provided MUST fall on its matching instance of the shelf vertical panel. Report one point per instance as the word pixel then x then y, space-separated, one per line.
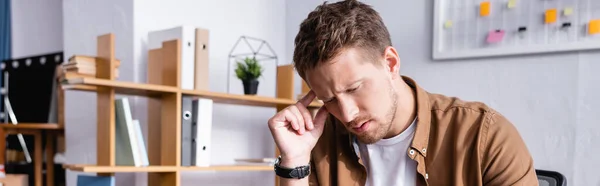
pixel 285 82
pixel 60 100
pixel 171 68
pixel 168 178
pixel 285 90
pixel 164 121
pixel 154 76
pixel 171 130
pixel 105 66
pixel 171 104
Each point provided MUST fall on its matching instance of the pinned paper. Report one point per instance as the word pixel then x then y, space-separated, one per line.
pixel 448 24
pixel 512 3
pixel 495 36
pixel 568 11
pixel 550 16
pixel 594 27
pixel 484 8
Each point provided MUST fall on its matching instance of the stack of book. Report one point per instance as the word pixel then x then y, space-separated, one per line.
pixel 83 66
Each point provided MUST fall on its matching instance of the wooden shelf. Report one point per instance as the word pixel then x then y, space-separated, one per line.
pixel 41 126
pixel 115 169
pixel 229 168
pixel 121 87
pixel 249 100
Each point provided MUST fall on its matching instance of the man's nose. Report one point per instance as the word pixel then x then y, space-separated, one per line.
pixel 348 109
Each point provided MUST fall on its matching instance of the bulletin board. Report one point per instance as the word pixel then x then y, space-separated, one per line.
pixel 485 28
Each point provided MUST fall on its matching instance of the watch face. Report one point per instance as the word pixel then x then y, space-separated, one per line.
pixel 277 160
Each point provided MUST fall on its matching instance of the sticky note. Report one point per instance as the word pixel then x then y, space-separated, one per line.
pixel 550 16
pixel 495 36
pixel 448 24
pixel 484 8
pixel 594 27
pixel 512 3
pixel 568 11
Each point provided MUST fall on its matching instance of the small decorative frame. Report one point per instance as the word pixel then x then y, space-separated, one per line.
pixel 255 52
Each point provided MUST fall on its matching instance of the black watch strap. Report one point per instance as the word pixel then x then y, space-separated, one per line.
pixel 296 172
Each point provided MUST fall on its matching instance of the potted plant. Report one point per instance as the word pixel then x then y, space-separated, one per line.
pixel 249 71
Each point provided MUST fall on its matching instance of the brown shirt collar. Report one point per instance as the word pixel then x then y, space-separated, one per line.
pixel 421 139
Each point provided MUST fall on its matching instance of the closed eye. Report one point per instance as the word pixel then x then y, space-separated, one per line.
pixel 352 89
pixel 329 100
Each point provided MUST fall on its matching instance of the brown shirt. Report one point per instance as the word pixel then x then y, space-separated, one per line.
pixel 455 143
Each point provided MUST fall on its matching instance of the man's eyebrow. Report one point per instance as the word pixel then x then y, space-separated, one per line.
pixel 350 85
pixel 345 88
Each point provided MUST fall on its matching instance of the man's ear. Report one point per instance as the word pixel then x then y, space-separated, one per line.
pixel 392 61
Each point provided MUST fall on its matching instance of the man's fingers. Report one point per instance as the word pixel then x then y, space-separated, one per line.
pixel 306 115
pixel 299 119
pixel 320 117
pixel 291 117
pixel 307 99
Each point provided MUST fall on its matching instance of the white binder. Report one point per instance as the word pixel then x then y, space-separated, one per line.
pixel 187 35
pixel 202 122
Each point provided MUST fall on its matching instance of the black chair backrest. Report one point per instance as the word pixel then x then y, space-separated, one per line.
pixel 550 178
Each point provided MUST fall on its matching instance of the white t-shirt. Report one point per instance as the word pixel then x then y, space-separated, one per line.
pixel 386 160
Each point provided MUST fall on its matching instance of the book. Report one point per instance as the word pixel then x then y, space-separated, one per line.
pixel 187 37
pixel 139 136
pixel 83 66
pixel 187 131
pixel 85 60
pixel 92 180
pixel 126 145
pixel 202 110
pixel 201 73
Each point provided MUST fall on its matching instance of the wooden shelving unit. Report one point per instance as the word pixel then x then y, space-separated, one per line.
pixel 164 111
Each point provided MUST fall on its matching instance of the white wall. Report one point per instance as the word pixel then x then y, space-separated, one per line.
pixel 36 27
pixel 238 131
pixel 83 22
pixel 550 98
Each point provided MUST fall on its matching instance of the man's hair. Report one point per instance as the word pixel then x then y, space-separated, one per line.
pixel 331 28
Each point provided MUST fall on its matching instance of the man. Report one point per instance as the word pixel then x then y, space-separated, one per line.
pixel 379 128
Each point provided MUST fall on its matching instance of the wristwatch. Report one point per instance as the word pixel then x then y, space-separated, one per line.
pixel 297 172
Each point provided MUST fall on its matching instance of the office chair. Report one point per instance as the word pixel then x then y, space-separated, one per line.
pixel 550 178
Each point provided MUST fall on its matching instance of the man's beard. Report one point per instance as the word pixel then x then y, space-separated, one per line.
pixel 382 128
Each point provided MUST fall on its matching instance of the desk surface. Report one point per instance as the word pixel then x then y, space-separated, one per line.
pixel 41 126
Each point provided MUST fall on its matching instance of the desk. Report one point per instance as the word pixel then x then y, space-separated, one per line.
pixel 52 130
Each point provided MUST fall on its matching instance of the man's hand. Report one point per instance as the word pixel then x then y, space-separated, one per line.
pixel 295 131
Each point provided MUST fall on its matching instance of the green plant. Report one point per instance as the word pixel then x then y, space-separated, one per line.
pixel 250 69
